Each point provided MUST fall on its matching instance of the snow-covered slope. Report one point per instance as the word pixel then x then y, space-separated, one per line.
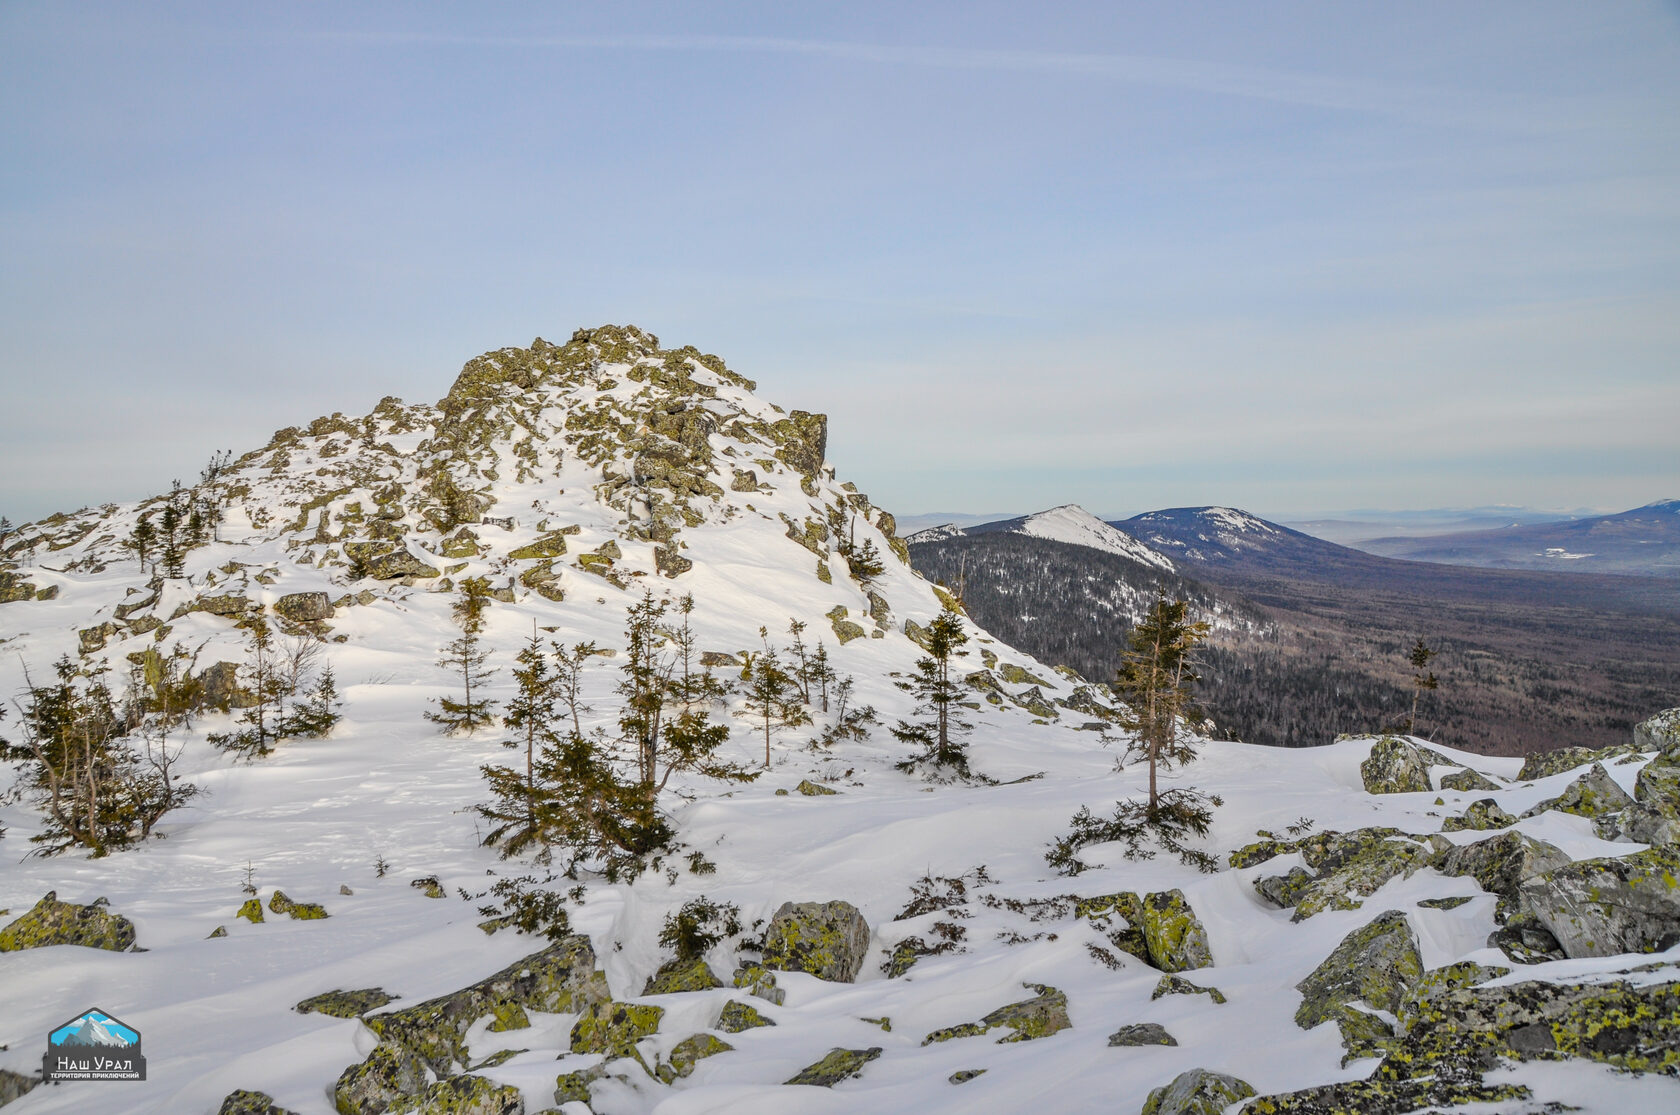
pixel 574 478
pixel 1068 523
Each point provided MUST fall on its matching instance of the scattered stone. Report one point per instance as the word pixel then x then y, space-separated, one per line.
pixel 1038 1017
pixel 1285 891
pixel 1178 985
pixel 1544 764
pixel 1641 824
pixel 718 658
pixel 1481 815
pixel 1466 780
pixel 1141 1033
pixel 1351 866
pixel 219 931
pixel 462 1095
pixel 15 1084
pixel 1252 855
pixel 304 607
pixel 1659 733
pixel 559 979
pixel 345 1004
pixel 682 975
pixel 1128 937
pixel 278 903
pixel 222 690
pixel 573 1087
pixel 94 638
pixel 738 1016
pixel 52 922
pixel 1395 766
pixel 844 629
pixel 1444 903
pixel 1601 907
pixel 1175 936
pixel 1500 863
pixel 830 940
pixel 251 911
pixel 1377 965
pixel 388 1074
pixel 812 790
pixel 1197 1092
pixel 840 1064
pixel 757 980
pixel 1591 795
pixel 690 1052
pixel 614 1028
pixel 963 1076
pixel 429 886
pixel 387 560
pixel 244 1102
pixel 1657 784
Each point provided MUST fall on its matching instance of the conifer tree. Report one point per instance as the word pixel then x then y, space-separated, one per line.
pixel 266 682
pixel 141 539
pixel 772 696
pixel 937 694
pixel 534 717
pixel 466 655
pixel 1422 679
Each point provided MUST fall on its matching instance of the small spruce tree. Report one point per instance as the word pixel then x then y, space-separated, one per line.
pixel 772 695
pixel 1422 679
pixel 466 655
pixel 939 733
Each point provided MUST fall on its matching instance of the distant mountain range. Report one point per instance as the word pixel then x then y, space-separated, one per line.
pixel 1644 541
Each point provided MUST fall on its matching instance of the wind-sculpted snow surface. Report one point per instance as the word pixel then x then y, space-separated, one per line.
pixel 572 478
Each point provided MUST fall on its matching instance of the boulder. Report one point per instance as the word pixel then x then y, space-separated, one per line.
pixel 1641 824
pixel 51 922
pixel 614 1028
pixel 222 689
pixel 1175 936
pixel 1197 1092
pixel 813 789
pixel 1253 855
pixel 94 638
pixel 755 979
pixel 1591 795
pixel 345 1004
pixel 1601 907
pixel 844 629
pixel 388 1074
pixel 1141 1033
pixel 1038 1017
pixel 462 1095
pixel 1178 985
pixel 738 1016
pixel 1481 815
pixel 1658 783
pixel 278 903
pixel 14 1085
pixel 1660 732
pixel 840 1064
pixel 251 911
pixel 688 1053
pixel 559 979
pixel 1378 965
pixel 304 607
pixel 387 560
pixel 827 939
pixel 1102 910
pixel 1467 780
pixel 1544 764
pixel 1351 866
pixel 1500 863
pixel 682 975
pixel 1396 766
pixel 1285 890
pixel 242 1102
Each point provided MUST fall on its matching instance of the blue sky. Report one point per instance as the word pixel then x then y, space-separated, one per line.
pixel 1291 257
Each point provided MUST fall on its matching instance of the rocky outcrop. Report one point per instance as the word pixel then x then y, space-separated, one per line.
pixel 844 629
pixel 387 561
pixel 679 975
pixel 559 979
pixel 51 922
pixel 345 1004
pixel 304 607
pixel 1601 907
pixel 462 1095
pixel 1397 766
pixel 1544 764
pixel 1376 965
pixel 1351 866
pixel 1141 1033
pixel 688 1053
pixel 1175 936
pixel 738 1016
pixel 1197 1092
pixel 830 940
pixel 1178 985
pixel 614 1028
pixel 1659 733
pixel 1500 863
pixel 840 1064
pixel 1593 794
pixel 1038 1017
pixel 243 1102
pixel 1480 816
pixel 1467 780
pixel 387 1074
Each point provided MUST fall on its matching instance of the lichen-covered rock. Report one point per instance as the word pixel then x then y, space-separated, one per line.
pixel 14 1085
pixel 94 638
pixel 1019 675
pixel 743 480
pixel 1524 939
pixel 1591 795
pixel 755 979
pixel 251 910
pixel 573 1087
pixel 840 1064
pixel 1377 964
pixel 844 629
pixel 814 790
pixel 559 979
pixel 222 604
pixel 387 561
pixel 1395 766
pixel 1601 907
pixel 345 1004
pixel 1284 891
pixel 1197 1092
pixel 1466 780
pixel 1253 855
pixel 388 1074
pixel 614 1028
pixel 1480 815
pixel 1141 1033
pixel 304 607
pixel 1178 985
pixel 668 562
pixel 1038 1017
pixel 551 544
pixel 1383 1097
pixel 1641 824
pixel 680 975
pixel 1658 733
pixel 1500 863
pixel 462 1095
pixel 688 1053
pixel 1450 903
pixel 1544 764
pixel 278 903
pixel 1176 937
pixel 243 1102
pixel 1351 866
pixel 51 922
pixel 1658 783
pixel 221 687
pixel 738 1016
pixel 1127 936
pixel 830 940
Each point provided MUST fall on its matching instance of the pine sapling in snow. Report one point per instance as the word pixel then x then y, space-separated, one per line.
pixel 467 655
pixel 939 733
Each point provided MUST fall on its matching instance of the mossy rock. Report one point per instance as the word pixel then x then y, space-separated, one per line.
pixel 1481 815
pixel 345 1004
pixel 1452 903
pixel 681 975
pixel 551 544
pixel 688 1053
pixel 844 629
pixel 1128 936
pixel 388 561
pixel 251 910
pixel 1642 824
pixel 738 1016
pixel 1659 733
pixel 573 1087
pixel 719 658
pixel 304 607
pixel 1591 795
pixel 1178 985
pixel 757 980
pixel 91 639
pixel 1378 965
pixel 1038 1017
pixel 388 1074
pixel 1286 890
pixel 278 903
pixel 1175 936
pixel 243 1102
pixel 963 1076
pixel 744 480
pixel 814 790
pixel 1141 1033
pixel 830 940
pixel 462 544
pixel 225 604
pixel 838 1065
pixel 1467 780
pixel 51 922
pixel 1197 1092
pixel 14 589
pixel 559 979
pixel 1658 783
pixel 1601 907
pixel 508 1016
pixel 1544 764
pixel 1395 766
pixel 1019 675
pixel 1351 866
pixel 614 1028
pixel 1382 1097
pixel 1252 855
pixel 1500 863
pixel 462 1095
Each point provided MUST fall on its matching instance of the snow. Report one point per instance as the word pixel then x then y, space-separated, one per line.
pixel 1072 523
pixel 217 1014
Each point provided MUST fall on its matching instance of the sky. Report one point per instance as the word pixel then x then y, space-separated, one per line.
pixel 1292 257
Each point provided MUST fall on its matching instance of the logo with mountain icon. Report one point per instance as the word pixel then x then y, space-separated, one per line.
pixel 93 1046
